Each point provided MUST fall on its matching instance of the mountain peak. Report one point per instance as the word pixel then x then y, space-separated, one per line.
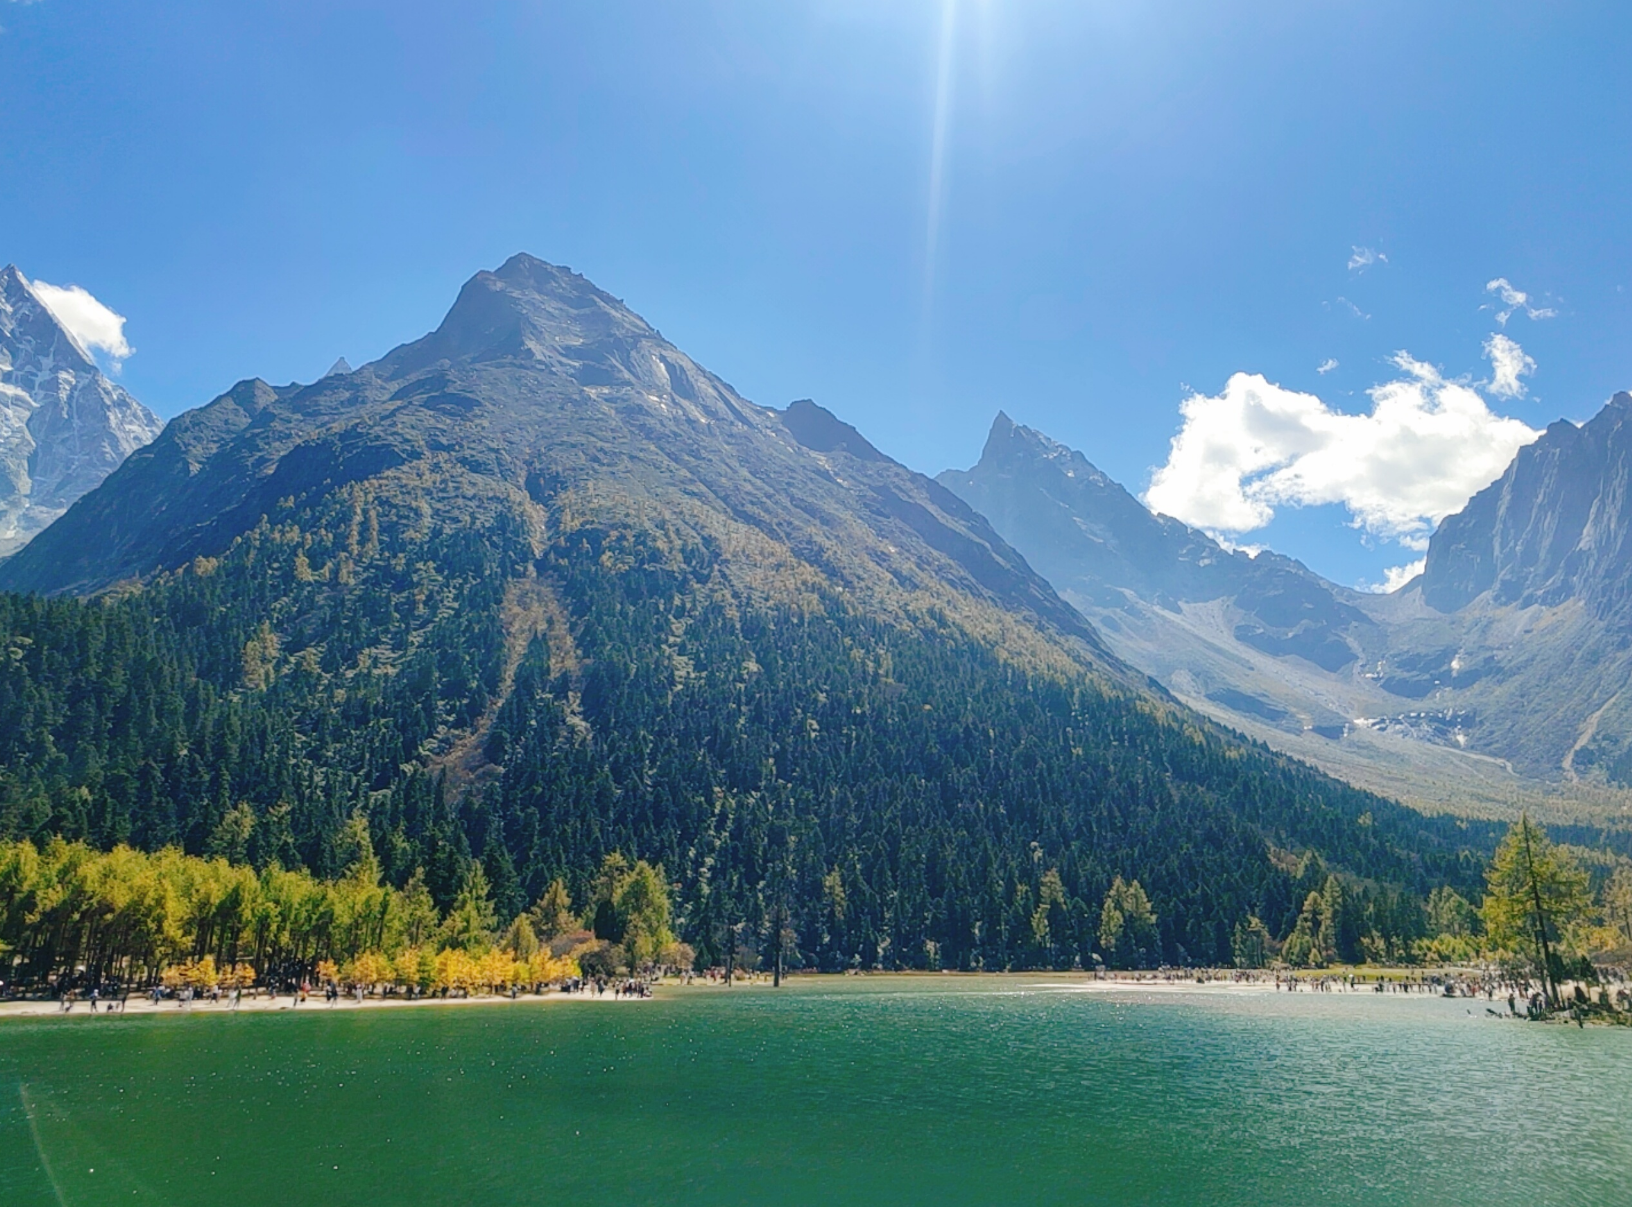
pixel 1555 526
pixel 1011 442
pixel 528 309
pixel 77 426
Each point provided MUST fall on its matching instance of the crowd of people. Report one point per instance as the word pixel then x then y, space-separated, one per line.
pixel 1610 996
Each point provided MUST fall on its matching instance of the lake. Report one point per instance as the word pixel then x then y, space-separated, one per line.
pixel 890 1090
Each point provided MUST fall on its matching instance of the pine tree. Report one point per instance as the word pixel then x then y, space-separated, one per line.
pixel 552 914
pixel 1252 943
pixel 1537 896
pixel 470 923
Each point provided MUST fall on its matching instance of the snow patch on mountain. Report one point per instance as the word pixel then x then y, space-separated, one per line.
pixel 63 425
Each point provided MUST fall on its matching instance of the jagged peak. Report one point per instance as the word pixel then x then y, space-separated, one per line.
pixel 20 300
pixel 1009 440
pixel 16 288
pixel 340 368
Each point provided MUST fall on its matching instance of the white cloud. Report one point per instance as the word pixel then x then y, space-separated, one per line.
pixel 1395 577
pixel 1326 366
pixel 1353 309
pixel 94 325
pixel 1364 257
pixel 1426 447
pixel 1513 301
pixel 1508 363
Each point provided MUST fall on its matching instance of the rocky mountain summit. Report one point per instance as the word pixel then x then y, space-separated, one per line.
pixel 1528 594
pixel 1556 526
pixel 63 425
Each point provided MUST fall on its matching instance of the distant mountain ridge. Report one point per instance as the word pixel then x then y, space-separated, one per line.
pixel 63 425
pixel 1557 525
pixel 1511 646
pixel 1095 541
pixel 1530 591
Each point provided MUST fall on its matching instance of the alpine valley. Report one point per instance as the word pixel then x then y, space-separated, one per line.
pixel 537 588
pixel 1491 681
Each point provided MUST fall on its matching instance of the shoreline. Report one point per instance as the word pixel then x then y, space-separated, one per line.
pixel 144 1005
pixel 1420 980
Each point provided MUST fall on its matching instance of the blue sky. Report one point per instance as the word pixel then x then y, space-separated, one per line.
pixel 916 213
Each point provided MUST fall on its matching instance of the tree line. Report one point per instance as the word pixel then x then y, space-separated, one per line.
pixel 74 916
pixel 1540 913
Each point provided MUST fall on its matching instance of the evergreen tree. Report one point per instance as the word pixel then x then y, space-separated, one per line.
pixel 641 900
pixel 470 923
pixel 552 914
pixel 1127 927
pixel 1537 897
pixel 1252 944
pixel 1303 948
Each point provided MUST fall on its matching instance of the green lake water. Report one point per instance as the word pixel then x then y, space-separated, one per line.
pixel 842 1091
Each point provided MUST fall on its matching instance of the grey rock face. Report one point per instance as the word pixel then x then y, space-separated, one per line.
pixel 1101 547
pixel 1556 526
pixel 63 425
pixel 1532 581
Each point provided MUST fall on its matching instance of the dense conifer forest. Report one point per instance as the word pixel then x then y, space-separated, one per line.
pixel 862 792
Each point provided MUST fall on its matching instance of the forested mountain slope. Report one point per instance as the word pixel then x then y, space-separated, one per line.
pixel 537 587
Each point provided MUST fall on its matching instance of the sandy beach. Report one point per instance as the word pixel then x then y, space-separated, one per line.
pixel 1419 981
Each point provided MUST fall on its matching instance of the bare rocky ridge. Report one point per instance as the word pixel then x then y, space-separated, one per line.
pixel 1528 594
pixel 63 425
